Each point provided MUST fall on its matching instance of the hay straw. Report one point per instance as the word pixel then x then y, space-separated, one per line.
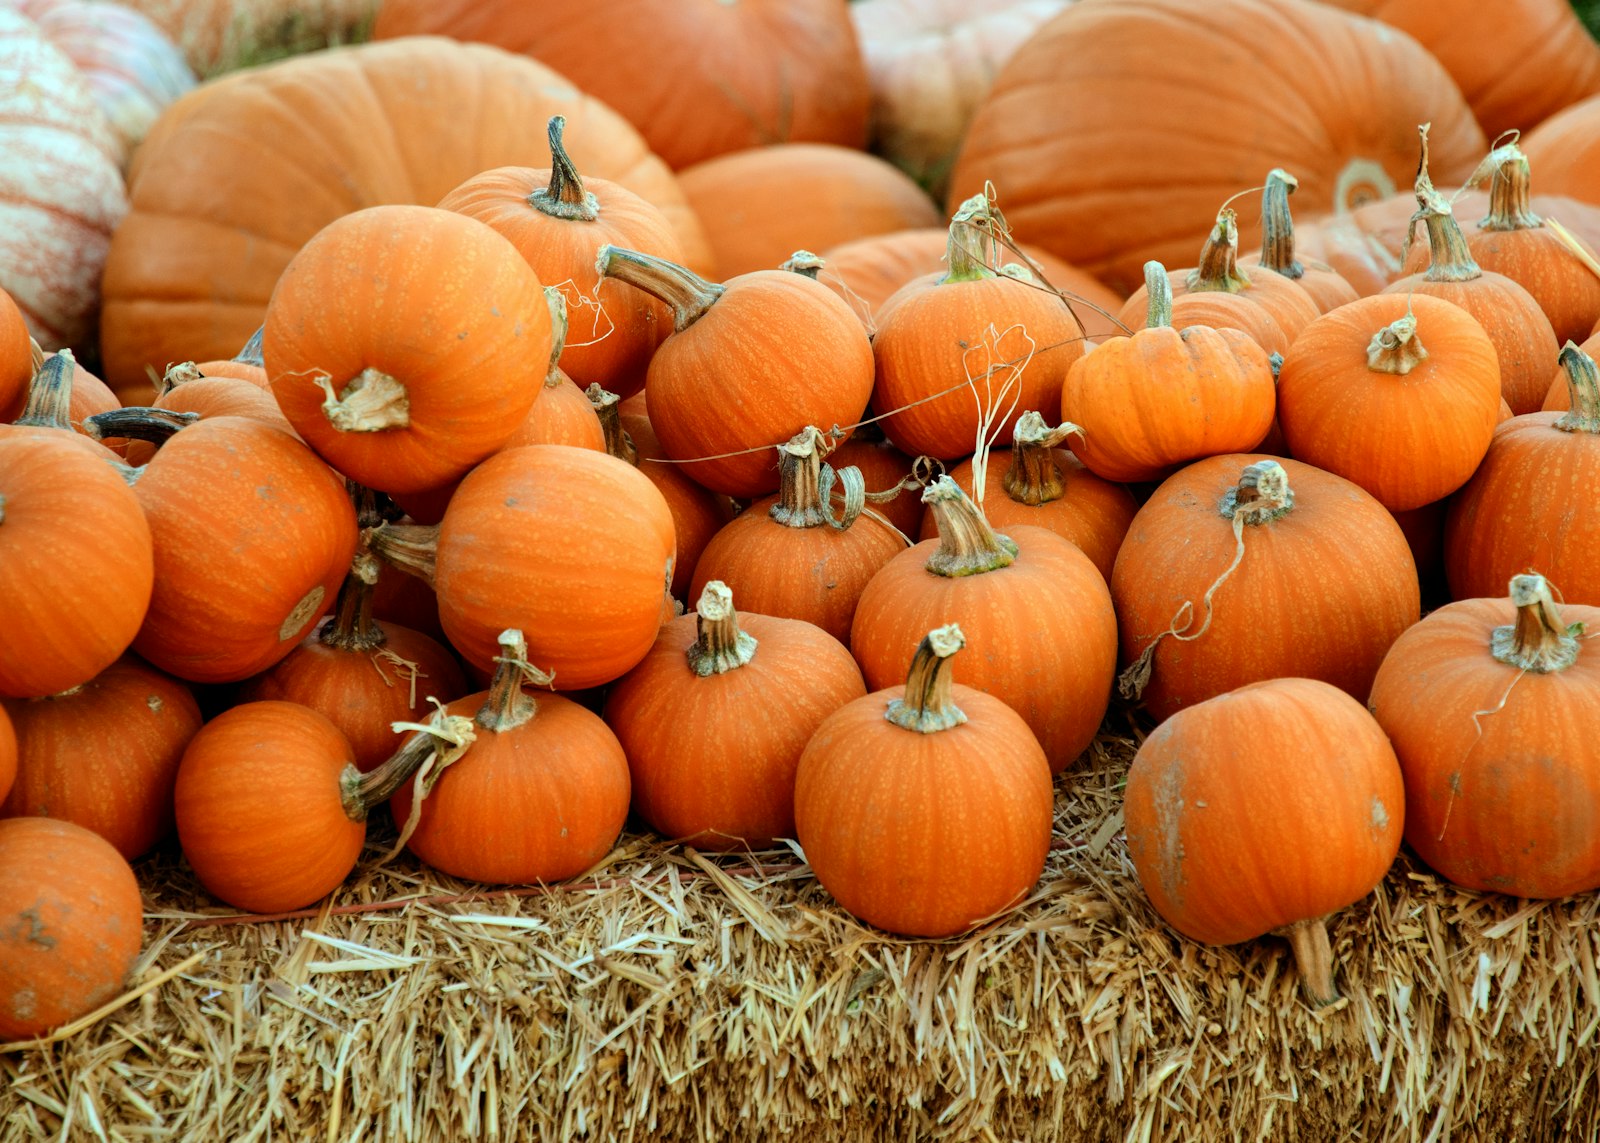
pixel 674 995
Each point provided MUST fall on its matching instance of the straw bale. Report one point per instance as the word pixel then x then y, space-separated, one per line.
pixel 670 995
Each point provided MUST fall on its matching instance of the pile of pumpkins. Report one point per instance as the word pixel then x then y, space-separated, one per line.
pixel 546 490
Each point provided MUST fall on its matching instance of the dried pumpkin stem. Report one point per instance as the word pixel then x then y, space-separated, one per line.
pixel 1158 296
pixel 351 627
pixel 1449 258
pixel 2 509
pixel 49 400
pixel 444 739
pixel 1277 225
pixel 137 422
pixel 927 706
pixel 805 485
pixel 508 706
pixel 804 262
pixel 1510 193
pixel 720 645
pixel 1395 348
pixel 565 196
pixel 557 301
pixel 180 374
pixel 686 292
pixel 251 353
pixel 1583 390
pixel 1034 476
pixel 606 406
pixel 1218 269
pixel 967 544
pixel 1313 957
pixel 1538 640
pixel 413 548
pixel 370 402
pixel 973 245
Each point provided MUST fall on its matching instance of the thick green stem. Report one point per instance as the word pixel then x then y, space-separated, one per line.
pixel 1277 225
pixel 686 292
pixel 967 544
pixel 1035 476
pixel 565 196
pixel 139 423
pixel 1395 348
pixel 927 706
pixel 973 246
pixel 1583 391
pixel 1218 270
pixel 1158 296
pixel 721 645
pixel 1538 641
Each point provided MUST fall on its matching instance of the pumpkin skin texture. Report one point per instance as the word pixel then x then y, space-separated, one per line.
pixel 1502 777
pixel 721 77
pixel 61 192
pixel 252 535
pixel 1266 807
pixel 966 809
pixel 8 754
pixel 71 923
pixel 713 725
pixel 105 755
pixel 1359 398
pixel 1108 69
pixel 16 359
pixel 74 542
pixel 1321 590
pixel 258 807
pixel 240 173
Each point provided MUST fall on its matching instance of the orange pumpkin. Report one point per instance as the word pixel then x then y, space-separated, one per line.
pixel 1327 287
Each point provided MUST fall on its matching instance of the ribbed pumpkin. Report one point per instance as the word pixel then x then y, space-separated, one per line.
pixel 557 219
pixel 563 414
pixel 1242 568
pixel 964 353
pixel 1398 393
pixel 1263 810
pixel 714 718
pixel 16 359
pixel 411 393
pixel 539 794
pixel 925 809
pixel 1531 503
pixel 1039 604
pixel 1091 133
pixel 1164 396
pixel 105 754
pixel 697 80
pixel 71 923
pixel 752 361
pixel 243 171
pixel 571 545
pixel 795 555
pixel 1327 287
pixel 1491 705
pixel 1038 482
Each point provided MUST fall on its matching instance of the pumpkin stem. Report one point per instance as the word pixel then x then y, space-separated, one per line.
pixel 1262 494
pixel 686 292
pixel 251 353
pixel 351 627
pixel 1158 296
pixel 1395 348
pixel 720 646
pixel 1277 226
pixel 412 548
pixel 435 746
pixel 49 401
pixel 927 706
pixel 804 262
pixel 557 302
pixel 508 706
pixel 565 196
pixel 1538 641
pixel 1035 476
pixel 1219 259
pixel 180 374
pixel 1583 389
pixel 1449 258
pixel 1313 957
pixel 805 485
pixel 2 509
pixel 606 406
pixel 973 245
pixel 371 402
pixel 137 422
pixel 1510 191
pixel 967 544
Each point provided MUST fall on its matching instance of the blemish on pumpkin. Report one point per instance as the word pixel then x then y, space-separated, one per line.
pixel 36 933
pixel 304 612
pixel 1169 818
pixel 154 703
pixel 24 1003
pixel 1380 815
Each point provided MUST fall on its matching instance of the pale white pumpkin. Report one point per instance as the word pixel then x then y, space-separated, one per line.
pixel 61 191
pixel 219 35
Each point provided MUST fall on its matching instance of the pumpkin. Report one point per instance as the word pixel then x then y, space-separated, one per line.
pixel 272 812
pixel 1529 503
pixel 697 81
pixel 1263 810
pixel 1164 396
pixel 219 36
pixel 571 545
pixel 789 555
pixel 1398 393
pixel 925 809
pixel 714 718
pixel 1241 568
pixel 105 754
pixel 16 359
pixel 8 754
pixel 760 205
pixel 1089 134
pixel 61 191
pixel 1326 286
pixel 930 63
pixel 752 361
pixel 1490 704
pixel 240 173
pixel 961 354
pixel 539 795
pixel 71 923
pixel 557 220
pixel 1038 482
pixel 563 414
pixel 1038 602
